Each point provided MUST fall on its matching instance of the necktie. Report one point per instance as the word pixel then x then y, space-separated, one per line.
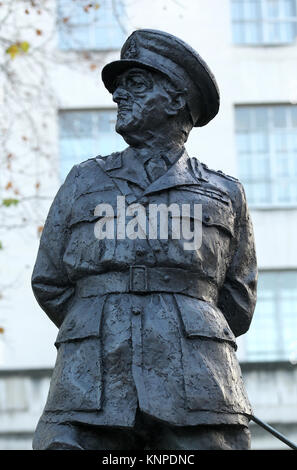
pixel 155 168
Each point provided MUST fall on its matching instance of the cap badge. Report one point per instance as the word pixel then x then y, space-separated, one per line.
pixel 132 50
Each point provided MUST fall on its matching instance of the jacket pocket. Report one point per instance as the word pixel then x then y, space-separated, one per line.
pixel 76 382
pixel 215 212
pixel 83 319
pixel 202 319
pixel 83 210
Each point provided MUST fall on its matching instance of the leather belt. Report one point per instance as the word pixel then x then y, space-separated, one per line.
pixel 141 279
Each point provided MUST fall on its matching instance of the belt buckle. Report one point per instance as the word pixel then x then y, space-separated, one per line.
pixel 138 278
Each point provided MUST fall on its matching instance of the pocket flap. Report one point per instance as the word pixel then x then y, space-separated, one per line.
pixel 200 318
pixel 84 208
pixel 83 319
pixel 216 211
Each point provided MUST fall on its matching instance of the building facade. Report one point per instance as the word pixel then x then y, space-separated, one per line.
pixel 251 46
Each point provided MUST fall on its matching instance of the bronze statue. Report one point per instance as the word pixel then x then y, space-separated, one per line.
pixel 146 344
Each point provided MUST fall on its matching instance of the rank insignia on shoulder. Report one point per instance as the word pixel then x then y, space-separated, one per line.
pixel 113 161
pixel 196 169
pixel 220 173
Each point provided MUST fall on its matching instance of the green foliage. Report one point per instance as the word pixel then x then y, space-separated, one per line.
pixel 10 202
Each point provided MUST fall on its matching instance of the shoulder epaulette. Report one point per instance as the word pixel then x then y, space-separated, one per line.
pixel 113 161
pixel 89 159
pixel 111 156
pixel 195 166
pixel 221 173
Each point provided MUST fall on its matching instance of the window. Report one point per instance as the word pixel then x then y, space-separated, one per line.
pixel 272 335
pixel 267 153
pixel 86 134
pixel 263 21
pixel 90 26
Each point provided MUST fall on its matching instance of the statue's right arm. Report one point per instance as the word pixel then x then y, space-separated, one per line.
pixel 50 282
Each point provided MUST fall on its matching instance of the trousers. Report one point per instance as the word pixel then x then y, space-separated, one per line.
pixel 147 434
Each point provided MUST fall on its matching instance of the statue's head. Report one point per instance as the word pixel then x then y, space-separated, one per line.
pixel 160 80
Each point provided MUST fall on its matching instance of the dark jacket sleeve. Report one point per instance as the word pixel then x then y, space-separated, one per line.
pixel 50 283
pixel 237 296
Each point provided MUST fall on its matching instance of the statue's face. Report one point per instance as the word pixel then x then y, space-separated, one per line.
pixel 141 101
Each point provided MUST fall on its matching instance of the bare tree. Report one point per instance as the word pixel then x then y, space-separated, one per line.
pixel 30 32
pixel 28 42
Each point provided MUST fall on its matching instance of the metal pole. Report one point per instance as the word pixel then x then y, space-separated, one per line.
pixel 273 431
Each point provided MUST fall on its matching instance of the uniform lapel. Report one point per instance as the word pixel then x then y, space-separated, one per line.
pixel 185 171
pixel 127 166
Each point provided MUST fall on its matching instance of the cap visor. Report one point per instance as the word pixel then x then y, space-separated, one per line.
pixel 111 71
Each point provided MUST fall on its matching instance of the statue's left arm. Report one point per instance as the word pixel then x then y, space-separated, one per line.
pixel 237 296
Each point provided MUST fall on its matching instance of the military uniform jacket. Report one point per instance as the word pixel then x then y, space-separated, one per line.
pixel 145 323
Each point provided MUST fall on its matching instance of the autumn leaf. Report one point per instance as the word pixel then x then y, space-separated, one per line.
pixel 38 32
pixel 1 330
pixel 37 185
pixel 93 67
pixel 9 185
pixel 24 46
pixel 97 6
pixel 39 229
pixel 65 20
pixel 12 50
pixel 10 202
pixel 17 48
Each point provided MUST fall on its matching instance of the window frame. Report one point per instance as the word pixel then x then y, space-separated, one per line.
pixel 263 21
pixel 84 110
pixel 284 356
pixel 121 22
pixel 274 204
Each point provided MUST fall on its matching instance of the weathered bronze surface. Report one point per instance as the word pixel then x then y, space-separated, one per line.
pixel 146 343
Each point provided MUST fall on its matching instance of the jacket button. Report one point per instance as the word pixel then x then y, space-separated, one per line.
pixel 136 310
pixel 207 218
pixel 226 331
pixel 166 278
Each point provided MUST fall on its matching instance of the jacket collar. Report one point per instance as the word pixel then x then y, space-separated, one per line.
pixel 185 171
pixel 126 165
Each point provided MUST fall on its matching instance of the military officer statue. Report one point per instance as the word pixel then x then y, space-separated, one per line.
pixel 146 344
